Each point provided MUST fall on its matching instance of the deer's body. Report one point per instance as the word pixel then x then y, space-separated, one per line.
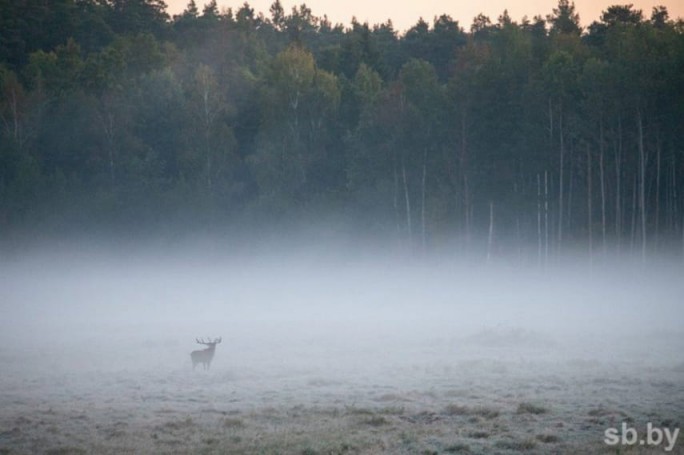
pixel 204 356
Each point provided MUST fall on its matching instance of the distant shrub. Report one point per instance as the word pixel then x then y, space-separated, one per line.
pixel 376 421
pixel 457 410
pixel 230 422
pixel 481 411
pixel 530 408
pixel 457 448
pixel 516 445
pixel 478 435
pixel 548 438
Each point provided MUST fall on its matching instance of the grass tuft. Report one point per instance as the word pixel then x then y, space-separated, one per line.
pixel 376 421
pixel 457 448
pixel 548 438
pixel 516 444
pixel 65 451
pixel 480 411
pixel 478 435
pixel 231 422
pixel 531 408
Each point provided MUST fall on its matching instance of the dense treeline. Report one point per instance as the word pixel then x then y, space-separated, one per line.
pixel 534 133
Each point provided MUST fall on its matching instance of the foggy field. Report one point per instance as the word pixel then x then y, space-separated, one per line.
pixel 444 238
pixel 329 355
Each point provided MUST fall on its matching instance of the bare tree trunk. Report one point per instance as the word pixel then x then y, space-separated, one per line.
pixel 669 209
pixel 207 135
pixel 422 201
pixel 657 196
pixel 550 122
pixel 642 185
pixel 517 237
pixel 603 203
pixel 546 218
pixel 109 131
pixel 395 196
pixel 539 233
pixel 464 177
pixel 407 200
pixel 675 202
pixel 106 120
pixel 603 191
pixel 546 187
pixel 682 240
pixel 12 93
pixel 467 210
pixel 571 188
pixel 673 208
pixel 560 182
pixel 618 188
pixel 490 237
pixel 590 220
pixel 15 116
pixel 634 212
pixel 518 210
pixel 14 102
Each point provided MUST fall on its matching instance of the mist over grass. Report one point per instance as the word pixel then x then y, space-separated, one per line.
pixel 331 346
pixel 334 297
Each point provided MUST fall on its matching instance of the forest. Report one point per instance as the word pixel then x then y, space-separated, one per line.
pixel 534 137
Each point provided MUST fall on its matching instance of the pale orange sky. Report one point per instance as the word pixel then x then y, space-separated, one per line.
pixel 405 13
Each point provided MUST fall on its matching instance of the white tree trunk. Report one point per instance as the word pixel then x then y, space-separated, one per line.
pixel 463 159
pixel 422 201
pixel 590 208
pixel 407 200
pixel 642 185
pixel 539 229
pixel 395 195
pixel 546 217
pixel 490 237
pixel 603 193
pixel 657 196
pixel 618 188
pixel 560 182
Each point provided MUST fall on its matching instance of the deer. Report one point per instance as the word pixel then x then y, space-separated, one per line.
pixel 204 356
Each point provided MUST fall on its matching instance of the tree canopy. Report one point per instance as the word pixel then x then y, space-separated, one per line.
pixel 114 114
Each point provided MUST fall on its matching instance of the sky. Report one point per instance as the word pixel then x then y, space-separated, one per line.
pixel 405 13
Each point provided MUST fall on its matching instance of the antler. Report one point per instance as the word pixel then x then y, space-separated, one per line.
pixel 201 341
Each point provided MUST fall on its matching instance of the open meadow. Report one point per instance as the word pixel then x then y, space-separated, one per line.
pixel 95 359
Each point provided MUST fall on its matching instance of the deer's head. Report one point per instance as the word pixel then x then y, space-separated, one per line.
pixel 210 344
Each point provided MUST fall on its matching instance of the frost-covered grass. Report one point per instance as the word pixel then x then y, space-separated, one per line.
pixel 327 359
pixel 268 400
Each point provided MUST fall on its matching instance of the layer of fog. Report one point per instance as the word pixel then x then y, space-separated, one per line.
pixel 133 309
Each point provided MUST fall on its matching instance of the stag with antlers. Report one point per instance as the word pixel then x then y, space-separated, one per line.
pixel 204 356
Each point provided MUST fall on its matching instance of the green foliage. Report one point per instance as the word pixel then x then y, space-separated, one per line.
pixel 564 19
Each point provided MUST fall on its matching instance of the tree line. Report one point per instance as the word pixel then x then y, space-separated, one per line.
pixel 535 134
